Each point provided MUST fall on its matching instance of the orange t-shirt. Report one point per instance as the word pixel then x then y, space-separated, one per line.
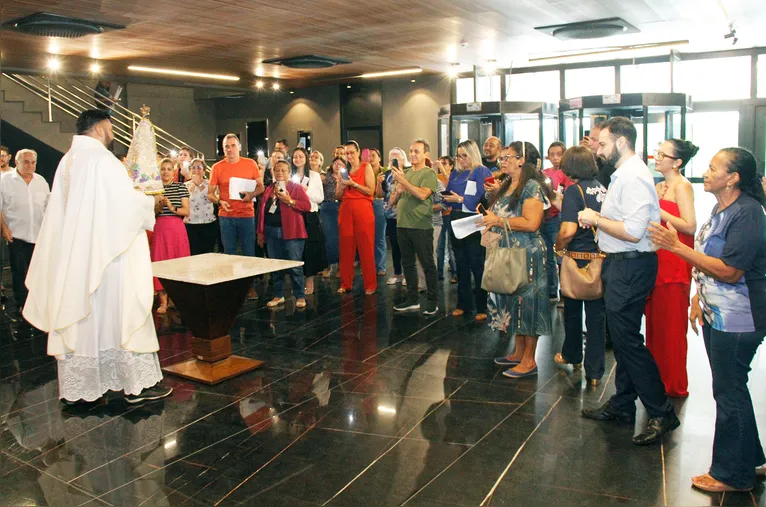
pixel 222 172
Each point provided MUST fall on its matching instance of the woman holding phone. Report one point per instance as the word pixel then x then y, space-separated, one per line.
pixel 463 194
pixel 306 173
pixel 282 229
pixel 518 204
pixel 356 220
pixel 328 212
pixel 398 159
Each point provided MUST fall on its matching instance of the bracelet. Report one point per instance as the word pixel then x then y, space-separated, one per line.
pixel 595 222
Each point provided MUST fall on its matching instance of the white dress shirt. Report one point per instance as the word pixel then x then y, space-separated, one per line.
pixel 314 189
pixel 632 200
pixel 22 205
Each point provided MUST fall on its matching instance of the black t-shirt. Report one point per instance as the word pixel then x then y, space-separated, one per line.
pixel 594 193
pixel 273 219
pixel 492 166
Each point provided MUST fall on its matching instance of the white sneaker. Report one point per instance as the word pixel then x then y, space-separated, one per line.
pixel 393 280
pixel 275 302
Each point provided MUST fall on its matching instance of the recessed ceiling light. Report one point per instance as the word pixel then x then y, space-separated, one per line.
pixel 453 69
pixel 259 84
pixel 275 86
pixel 292 91
pixel 186 73
pixel 414 70
pixel 54 64
pixel 95 68
pixel 412 80
pixel 348 86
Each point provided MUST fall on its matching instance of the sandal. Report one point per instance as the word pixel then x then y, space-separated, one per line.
pixel 342 290
pixel 559 359
pixel 480 317
pixel 458 312
pixel 711 485
pixel 162 309
pixel 369 292
pixel 301 303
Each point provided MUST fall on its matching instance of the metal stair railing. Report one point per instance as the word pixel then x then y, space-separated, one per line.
pixel 72 96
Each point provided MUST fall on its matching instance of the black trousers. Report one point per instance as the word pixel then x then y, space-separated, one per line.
pixel 20 257
pixel 627 284
pixel 396 253
pixel 469 260
pixel 202 237
pixel 594 350
pixel 418 243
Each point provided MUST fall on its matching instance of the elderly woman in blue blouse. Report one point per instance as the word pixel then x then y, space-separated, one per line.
pixel 465 189
pixel 729 259
pixel 518 203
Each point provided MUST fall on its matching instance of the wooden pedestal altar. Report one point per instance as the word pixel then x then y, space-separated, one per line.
pixel 208 291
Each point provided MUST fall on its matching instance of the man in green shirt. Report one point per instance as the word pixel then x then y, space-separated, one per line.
pixel 413 199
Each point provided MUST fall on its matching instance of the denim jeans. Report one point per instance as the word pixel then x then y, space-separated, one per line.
pixel 736 447
pixel 290 250
pixel 238 232
pixel 380 235
pixel 549 231
pixel 444 246
pixel 328 214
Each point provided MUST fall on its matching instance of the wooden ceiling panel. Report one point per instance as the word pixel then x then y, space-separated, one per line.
pixel 233 37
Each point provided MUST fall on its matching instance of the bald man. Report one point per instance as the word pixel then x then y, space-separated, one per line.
pixel 492 147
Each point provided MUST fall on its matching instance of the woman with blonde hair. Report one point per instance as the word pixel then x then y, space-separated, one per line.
pixel 464 192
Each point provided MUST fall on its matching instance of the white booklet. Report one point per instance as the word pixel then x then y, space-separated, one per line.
pixel 466 226
pixel 237 185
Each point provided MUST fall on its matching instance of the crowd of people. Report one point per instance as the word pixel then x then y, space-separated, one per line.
pixel 593 232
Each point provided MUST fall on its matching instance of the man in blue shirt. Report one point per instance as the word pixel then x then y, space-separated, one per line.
pixel 628 275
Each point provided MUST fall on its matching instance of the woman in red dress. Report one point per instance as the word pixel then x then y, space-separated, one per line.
pixel 356 187
pixel 668 305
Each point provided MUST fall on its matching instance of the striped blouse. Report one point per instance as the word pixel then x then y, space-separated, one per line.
pixel 174 193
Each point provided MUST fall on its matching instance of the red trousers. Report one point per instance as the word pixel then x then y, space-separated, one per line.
pixel 356 227
pixel 667 322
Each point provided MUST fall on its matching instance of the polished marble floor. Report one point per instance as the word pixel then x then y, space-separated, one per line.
pixel 355 406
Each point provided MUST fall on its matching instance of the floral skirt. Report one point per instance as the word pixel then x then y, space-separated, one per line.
pixel 526 312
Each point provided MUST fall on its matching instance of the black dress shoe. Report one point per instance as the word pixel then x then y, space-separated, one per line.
pixel 607 412
pixel 656 428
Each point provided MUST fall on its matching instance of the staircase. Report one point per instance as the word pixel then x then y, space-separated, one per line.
pixel 47 109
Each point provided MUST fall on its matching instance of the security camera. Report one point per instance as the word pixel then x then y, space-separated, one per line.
pixel 463 43
pixel 732 35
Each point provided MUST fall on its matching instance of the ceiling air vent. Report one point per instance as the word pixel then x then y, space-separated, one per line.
pixel 52 25
pixel 308 62
pixel 597 29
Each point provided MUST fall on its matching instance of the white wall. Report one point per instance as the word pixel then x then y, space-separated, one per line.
pixel 312 109
pixel 410 110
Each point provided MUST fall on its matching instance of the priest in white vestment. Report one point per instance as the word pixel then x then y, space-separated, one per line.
pixel 90 279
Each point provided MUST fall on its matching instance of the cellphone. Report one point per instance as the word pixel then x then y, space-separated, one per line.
pixel 482 209
pixel 282 186
pixel 241 195
pixel 587 133
pixel 447 192
pixel 395 163
pixel 344 173
pixel 365 155
pixel 490 180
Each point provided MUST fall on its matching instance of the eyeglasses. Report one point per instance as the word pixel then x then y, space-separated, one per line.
pixel 462 155
pixel 506 158
pixel 659 156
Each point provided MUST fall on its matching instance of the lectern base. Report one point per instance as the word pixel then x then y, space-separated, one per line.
pixel 213 373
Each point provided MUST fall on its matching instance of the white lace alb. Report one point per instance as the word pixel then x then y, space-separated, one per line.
pixel 88 378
